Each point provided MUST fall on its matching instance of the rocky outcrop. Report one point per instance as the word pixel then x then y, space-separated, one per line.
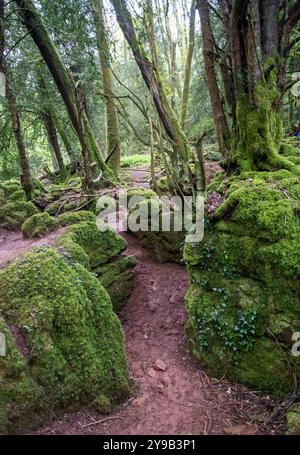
pixel 244 295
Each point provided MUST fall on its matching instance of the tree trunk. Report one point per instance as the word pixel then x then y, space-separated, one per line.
pixel 257 69
pixel 188 67
pixel 112 127
pixel 66 86
pixel 53 141
pixel 25 176
pixel 64 137
pixel 220 121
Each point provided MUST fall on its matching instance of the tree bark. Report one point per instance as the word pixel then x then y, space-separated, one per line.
pixel 220 121
pixel 69 92
pixel 25 176
pixel 188 67
pixel 53 141
pixel 112 127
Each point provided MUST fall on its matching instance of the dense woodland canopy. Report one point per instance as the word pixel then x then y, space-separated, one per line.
pixel 196 97
pixel 78 89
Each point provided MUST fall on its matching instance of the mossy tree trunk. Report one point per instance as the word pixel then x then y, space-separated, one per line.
pixel 259 41
pixel 154 83
pixel 112 126
pixel 70 93
pixel 64 136
pixel 53 141
pixel 221 126
pixel 25 177
pixel 25 174
pixel 188 67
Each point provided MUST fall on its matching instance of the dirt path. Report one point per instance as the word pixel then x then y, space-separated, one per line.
pixel 13 244
pixel 172 395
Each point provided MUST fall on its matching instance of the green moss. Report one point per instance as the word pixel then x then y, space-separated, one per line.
pixel 39 225
pixel 73 342
pixel 86 244
pixel 164 245
pixel 244 295
pixel 66 219
pixel 117 279
pixel 293 421
pixel 135 161
pixel 14 214
pixel 18 195
pixel 10 187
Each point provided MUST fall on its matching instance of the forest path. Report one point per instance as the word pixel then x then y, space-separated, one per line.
pixel 13 244
pixel 172 395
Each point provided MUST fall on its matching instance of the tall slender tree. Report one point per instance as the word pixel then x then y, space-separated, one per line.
pixel 219 116
pixel 112 126
pixel 25 176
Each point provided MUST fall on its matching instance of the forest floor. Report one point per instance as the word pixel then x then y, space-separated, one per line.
pixel 171 393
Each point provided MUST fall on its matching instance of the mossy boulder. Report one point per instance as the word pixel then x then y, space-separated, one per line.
pixel 244 295
pixel 9 187
pixel 18 195
pixel 66 219
pixel 65 345
pixel 39 225
pixel 14 214
pixel 117 278
pixel 293 421
pixel 86 244
pixel 156 232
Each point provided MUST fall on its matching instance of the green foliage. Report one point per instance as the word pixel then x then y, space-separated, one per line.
pixel 135 161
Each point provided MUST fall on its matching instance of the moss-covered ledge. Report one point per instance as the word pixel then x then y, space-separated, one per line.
pixel 244 295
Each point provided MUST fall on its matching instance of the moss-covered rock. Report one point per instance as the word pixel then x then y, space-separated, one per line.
pixel 86 244
pixel 39 225
pixel 10 187
pixel 18 195
pixel 66 219
pixel 14 214
pixel 64 342
pixel 163 242
pixel 293 421
pixel 117 278
pixel 244 295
